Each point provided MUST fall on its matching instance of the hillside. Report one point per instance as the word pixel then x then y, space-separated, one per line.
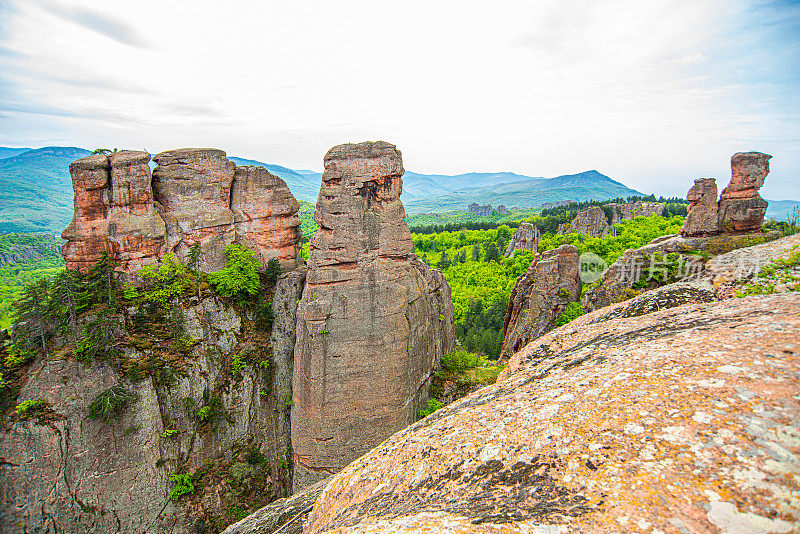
pixel 37 194
pixel 525 192
pixel 36 190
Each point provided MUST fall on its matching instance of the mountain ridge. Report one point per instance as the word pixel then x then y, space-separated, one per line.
pixel 36 188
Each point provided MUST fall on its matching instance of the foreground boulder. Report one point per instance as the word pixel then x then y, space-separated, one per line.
pixel 373 320
pixel 193 195
pixel 683 420
pixel 551 282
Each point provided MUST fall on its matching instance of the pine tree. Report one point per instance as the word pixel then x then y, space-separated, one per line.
pixel 32 310
pixel 444 261
pixel 492 253
pixel 66 287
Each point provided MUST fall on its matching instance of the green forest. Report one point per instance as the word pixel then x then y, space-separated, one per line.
pixel 471 259
pixel 482 279
pixel 15 276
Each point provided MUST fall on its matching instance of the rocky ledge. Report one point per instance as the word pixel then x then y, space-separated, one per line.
pixel 683 420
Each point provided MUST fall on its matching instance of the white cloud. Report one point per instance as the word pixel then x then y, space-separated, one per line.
pixel 652 93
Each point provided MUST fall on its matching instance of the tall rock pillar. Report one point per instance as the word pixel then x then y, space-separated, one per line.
pixel 741 208
pixel 373 321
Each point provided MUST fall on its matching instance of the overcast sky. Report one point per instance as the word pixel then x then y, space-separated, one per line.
pixel 652 93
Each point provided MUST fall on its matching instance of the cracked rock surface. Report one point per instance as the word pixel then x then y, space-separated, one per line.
pixel 682 420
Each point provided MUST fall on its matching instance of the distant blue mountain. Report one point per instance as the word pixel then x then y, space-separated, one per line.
pixel 780 209
pixel 36 189
pixel 6 152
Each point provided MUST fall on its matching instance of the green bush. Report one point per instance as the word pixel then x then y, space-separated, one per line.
pixel 460 360
pixel 183 485
pixel 433 405
pixel 213 412
pixel 240 277
pixel 111 403
pixel 166 281
pixel 572 311
pixel 30 408
pixel 273 270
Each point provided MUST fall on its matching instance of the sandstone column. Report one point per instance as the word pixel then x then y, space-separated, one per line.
pixel 265 214
pixel 193 185
pixel 741 208
pixel 702 218
pixel 373 321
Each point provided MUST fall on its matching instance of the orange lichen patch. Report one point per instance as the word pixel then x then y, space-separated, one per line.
pixel 684 420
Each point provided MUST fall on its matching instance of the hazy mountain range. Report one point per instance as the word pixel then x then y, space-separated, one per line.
pixel 36 189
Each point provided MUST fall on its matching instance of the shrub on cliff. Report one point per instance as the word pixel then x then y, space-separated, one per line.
pixel 111 403
pixel 240 277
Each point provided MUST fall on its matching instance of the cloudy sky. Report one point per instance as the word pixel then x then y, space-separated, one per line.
pixel 652 93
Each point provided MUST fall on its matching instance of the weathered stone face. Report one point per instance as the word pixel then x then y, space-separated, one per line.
pixel 266 216
pixel 526 237
pixel 193 185
pixel 702 217
pixel 741 208
pixel 114 212
pixel 626 425
pixel 540 295
pixel 477 209
pixel 373 321
pixel 592 221
pixel 193 195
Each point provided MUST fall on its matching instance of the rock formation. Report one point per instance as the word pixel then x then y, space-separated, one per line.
pixel 374 321
pixel 548 205
pixel 630 425
pixel 193 195
pixel 483 211
pixel 501 209
pixel 631 210
pixel 526 237
pixel 540 295
pixel 265 215
pixel 194 188
pixel 77 474
pixel 114 212
pixel 591 221
pixel 702 218
pixel 741 208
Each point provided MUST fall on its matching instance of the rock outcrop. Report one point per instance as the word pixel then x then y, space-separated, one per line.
pixel 591 221
pixel 483 211
pixel 286 515
pixel 501 209
pixel 631 210
pixel 741 208
pixel 683 420
pixel 702 218
pixel 77 474
pixel 526 237
pixel 374 321
pixel 551 282
pixel 114 212
pixel 192 195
